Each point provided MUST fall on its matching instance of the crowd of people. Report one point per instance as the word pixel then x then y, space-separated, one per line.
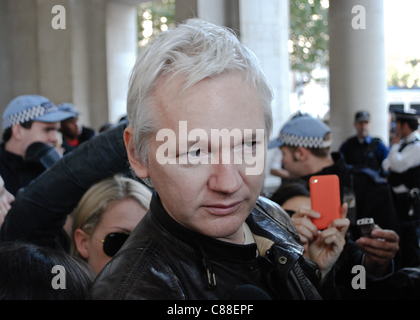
pixel 126 223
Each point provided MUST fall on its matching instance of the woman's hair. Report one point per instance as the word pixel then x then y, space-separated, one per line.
pixel 89 212
pixel 290 189
pixel 26 273
pixel 196 50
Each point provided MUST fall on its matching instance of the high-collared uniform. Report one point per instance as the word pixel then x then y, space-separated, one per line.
pixel 403 164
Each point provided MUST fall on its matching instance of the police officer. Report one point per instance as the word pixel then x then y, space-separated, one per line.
pixel 305 143
pixel 403 164
pixel 73 131
pixel 362 150
pixel 30 124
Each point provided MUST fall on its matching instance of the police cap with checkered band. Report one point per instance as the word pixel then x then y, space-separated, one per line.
pixel 32 108
pixel 411 114
pixel 302 131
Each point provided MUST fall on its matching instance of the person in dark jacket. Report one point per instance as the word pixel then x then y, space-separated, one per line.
pixel 207 233
pixel 362 150
pixel 28 119
pixel 305 143
pixel 73 131
pixel 40 211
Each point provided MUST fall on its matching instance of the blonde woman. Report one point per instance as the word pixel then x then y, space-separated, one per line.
pixel 105 217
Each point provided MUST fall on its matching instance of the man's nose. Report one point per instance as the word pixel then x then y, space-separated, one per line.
pixel 225 178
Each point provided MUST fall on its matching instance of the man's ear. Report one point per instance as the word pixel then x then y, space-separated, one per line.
pixel 301 154
pixel 81 240
pixel 140 170
pixel 17 131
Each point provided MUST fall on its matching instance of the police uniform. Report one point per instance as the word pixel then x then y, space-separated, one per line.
pixel 367 152
pixel 17 171
pixel 366 192
pixel 403 164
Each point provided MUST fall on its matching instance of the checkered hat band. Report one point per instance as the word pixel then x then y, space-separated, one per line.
pixel 299 141
pixel 28 115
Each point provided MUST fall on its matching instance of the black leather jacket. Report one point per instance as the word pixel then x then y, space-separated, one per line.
pixel 161 259
pixel 164 260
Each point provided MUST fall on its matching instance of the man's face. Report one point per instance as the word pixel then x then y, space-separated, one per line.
pixel 40 132
pixel 71 128
pixel 362 129
pixel 291 163
pixel 402 129
pixel 212 199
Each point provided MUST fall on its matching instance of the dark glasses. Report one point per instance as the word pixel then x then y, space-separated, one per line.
pixel 113 242
pixel 290 212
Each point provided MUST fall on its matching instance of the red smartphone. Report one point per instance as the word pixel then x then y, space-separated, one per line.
pixel 325 199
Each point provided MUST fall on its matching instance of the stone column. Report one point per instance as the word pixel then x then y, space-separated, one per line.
pixel 357 67
pixel 87 62
pixel 264 28
pixel 220 12
pixel 54 52
pixel 18 47
pixel 185 9
pixel 6 93
pixel 121 53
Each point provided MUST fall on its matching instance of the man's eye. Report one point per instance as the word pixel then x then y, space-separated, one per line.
pixel 195 153
pixel 250 144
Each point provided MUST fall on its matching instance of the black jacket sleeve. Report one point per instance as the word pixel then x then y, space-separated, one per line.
pixel 39 211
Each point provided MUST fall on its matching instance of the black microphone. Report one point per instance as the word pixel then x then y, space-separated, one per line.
pixel 249 292
pixel 42 154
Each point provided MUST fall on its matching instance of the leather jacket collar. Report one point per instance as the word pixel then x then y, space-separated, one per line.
pixel 193 240
pixel 164 260
pixel 221 249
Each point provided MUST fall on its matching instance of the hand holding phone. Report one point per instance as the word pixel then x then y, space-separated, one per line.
pixel 366 226
pixel 325 199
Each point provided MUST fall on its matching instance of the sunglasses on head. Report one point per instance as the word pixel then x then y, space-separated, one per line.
pixel 113 242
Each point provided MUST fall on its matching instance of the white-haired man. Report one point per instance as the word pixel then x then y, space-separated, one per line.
pixel 200 116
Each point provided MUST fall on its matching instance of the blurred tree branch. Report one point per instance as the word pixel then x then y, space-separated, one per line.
pixel 308 41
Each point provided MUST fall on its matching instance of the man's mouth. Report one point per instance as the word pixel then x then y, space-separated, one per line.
pixel 222 209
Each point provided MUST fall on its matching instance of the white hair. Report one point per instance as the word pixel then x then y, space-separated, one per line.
pixel 196 50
